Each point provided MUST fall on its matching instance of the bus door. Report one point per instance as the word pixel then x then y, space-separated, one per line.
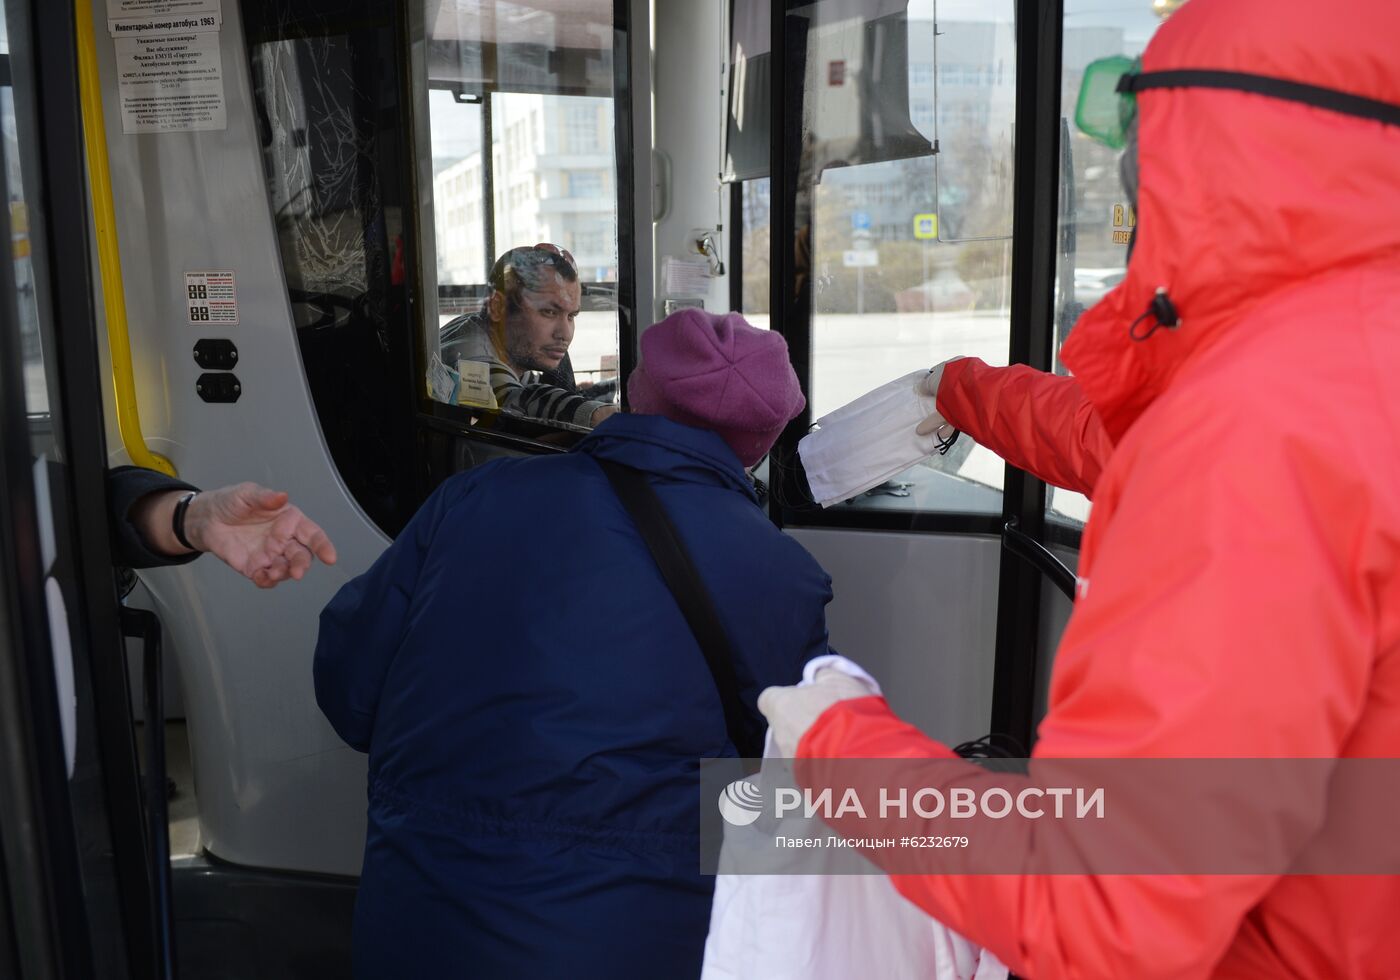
pixel 907 186
pixel 78 891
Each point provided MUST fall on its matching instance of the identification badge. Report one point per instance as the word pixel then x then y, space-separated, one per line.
pixel 474 384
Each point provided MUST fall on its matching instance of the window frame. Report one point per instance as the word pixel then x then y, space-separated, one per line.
pixel 435 419
pixel 793 315
pixel 1039 31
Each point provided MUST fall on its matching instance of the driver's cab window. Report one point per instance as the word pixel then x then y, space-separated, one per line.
pixel 521 248
pixel 904 206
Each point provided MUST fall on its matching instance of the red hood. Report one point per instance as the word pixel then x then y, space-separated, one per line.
pixel 1242 195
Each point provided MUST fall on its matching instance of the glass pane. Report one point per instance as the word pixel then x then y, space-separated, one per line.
pixel 332 126
pixel 747 140
pixel 521 125
pixel 757 229
pixel 56 563
pixel 1096 220
pixel 889 294
pixel 459 213
pixel 556 181
pixel 972 85
pixel 36 391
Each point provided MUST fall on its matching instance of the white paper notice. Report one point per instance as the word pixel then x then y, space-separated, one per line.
pixel 169 73
pixel 211 298
pixel 117 9
pixel 685 277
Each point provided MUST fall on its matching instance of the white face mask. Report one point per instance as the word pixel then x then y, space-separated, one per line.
pixel 864 443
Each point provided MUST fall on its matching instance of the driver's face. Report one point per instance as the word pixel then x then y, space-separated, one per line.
pixel 538 334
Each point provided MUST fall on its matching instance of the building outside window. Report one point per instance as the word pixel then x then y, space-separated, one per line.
pixel 581 129
pixel 585 183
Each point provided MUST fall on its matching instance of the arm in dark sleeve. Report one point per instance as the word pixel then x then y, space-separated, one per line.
pixel 555 398
pixel 363 626
pixel 125 486
pixel 541 401
pixel 799 624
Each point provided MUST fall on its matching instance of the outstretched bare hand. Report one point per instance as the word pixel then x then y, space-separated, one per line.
pixel 257 533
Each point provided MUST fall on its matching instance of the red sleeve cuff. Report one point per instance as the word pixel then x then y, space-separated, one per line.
pixel 951 401
pixel 866 728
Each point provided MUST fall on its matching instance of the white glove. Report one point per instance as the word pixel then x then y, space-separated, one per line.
pixel 792 710
pixel 929 386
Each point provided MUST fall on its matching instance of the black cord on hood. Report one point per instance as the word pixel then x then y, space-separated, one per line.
pixel 1163 314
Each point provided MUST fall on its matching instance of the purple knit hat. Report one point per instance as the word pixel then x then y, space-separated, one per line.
pixel 718 373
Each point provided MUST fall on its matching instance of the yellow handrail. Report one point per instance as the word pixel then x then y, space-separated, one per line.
pixel 108 253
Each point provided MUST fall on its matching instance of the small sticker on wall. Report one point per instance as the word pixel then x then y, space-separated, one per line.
pixel 1124 221
pixel 211 298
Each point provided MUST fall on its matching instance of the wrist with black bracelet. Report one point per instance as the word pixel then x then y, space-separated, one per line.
pixel 177 518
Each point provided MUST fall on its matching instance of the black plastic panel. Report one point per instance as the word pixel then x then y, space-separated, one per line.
pixel 216 354
pixel 218 387
pixel 237 923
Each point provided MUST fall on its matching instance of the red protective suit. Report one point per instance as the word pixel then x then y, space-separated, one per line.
pixel 1240 572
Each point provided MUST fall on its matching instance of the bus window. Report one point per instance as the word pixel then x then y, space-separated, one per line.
pixel 972 87
pixel 460 191
pixel 756 229
pixel 36 392
pixel 326 87
pixel 520 121
pixel 1095 219
pixel 747 148
pixel 894 286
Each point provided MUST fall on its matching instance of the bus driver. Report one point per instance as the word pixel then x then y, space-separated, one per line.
pixel 523 335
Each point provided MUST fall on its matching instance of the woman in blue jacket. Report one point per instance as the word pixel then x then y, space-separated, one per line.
pixel 534 730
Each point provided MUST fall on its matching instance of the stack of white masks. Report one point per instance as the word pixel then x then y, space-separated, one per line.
pixel 864 443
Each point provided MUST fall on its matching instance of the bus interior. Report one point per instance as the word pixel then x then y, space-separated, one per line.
pixel 246 276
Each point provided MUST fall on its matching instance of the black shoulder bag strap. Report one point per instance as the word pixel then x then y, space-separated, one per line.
pixel 681 577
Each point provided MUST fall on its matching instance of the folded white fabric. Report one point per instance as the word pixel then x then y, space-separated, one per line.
pixel 829 927
pixel 865 442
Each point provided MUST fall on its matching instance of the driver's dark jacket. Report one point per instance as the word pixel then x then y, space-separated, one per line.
pixel 535 707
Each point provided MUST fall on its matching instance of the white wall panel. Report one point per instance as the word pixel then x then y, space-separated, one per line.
pixel 919 612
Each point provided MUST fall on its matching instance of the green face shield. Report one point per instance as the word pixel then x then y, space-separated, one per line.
pixel 1103 113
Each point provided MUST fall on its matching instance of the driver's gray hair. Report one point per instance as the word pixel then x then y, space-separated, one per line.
pixel 528 268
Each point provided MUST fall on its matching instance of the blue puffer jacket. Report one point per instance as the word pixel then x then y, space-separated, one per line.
pixel 534 707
